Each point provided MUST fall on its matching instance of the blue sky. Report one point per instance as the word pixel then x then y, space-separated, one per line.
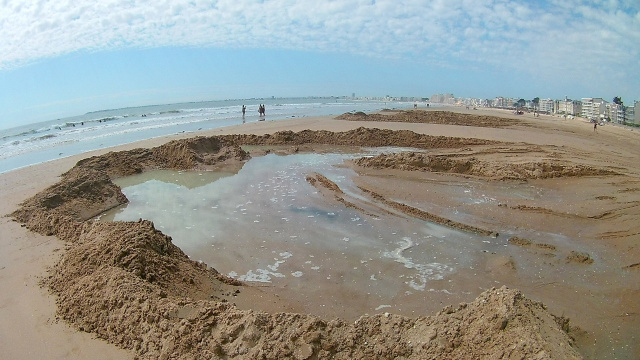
pixel 66 57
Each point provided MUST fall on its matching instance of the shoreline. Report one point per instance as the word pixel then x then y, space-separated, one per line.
pixel 22 265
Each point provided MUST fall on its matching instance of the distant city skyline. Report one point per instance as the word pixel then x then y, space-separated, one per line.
pixel 65 58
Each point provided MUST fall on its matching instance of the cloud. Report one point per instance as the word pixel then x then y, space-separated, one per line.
pixel 547 38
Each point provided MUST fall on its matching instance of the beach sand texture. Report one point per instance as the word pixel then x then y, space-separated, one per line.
pixel 128 284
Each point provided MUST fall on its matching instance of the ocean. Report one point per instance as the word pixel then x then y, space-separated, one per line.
pixel 41 142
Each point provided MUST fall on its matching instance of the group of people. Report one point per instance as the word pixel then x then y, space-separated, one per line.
pixel 261 110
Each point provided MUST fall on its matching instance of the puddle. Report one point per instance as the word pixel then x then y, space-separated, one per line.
pixel 268 226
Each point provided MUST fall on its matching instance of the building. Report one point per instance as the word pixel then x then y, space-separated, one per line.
pixel 631 113
pixel 441 98
pixel 568 107
pixel 546 106
pixel 593 109
pixel 615 113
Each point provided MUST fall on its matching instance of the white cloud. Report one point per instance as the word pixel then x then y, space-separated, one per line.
pixel 552 37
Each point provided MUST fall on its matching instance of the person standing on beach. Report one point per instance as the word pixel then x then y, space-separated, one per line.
pixel 595 126
pixel 244 110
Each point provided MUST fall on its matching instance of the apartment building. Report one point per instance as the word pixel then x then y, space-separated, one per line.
pixel 615 113
pixel 568 107
pixel 441 98
pixel 546 106
pixel 631 114
pixel 593 108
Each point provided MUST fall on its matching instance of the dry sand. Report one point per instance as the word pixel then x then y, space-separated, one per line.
pixel 604 211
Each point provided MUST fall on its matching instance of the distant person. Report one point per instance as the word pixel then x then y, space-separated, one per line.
pixel 244 110
pixel 595 126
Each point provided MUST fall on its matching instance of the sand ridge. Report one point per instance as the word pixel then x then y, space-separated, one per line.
pixel 432 117
pixel 126 279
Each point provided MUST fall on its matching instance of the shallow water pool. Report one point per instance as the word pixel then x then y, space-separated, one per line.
pixel 267 225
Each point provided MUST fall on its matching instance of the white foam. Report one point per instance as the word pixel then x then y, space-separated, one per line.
pixel 259 276
pixel 425 272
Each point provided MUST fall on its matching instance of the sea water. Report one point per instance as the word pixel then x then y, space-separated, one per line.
pixel 35 143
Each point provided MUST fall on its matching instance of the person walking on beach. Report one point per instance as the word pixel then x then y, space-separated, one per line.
pixel 244 110
pixel 595 126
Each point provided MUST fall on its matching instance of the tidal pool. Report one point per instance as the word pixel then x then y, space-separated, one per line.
pixel 268 226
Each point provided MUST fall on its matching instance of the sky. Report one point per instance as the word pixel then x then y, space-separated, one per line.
pixel 63 58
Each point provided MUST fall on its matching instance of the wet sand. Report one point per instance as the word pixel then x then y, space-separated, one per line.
pixel 561 210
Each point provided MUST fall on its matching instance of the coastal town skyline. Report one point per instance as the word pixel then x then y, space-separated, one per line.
pixel 547 105
pixel 61 59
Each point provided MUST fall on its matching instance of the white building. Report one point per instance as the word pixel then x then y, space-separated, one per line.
pixel 568 107
pixel 441 98
pixel 593 108
pixel 615 113
pixel 631 114
pixel 546 106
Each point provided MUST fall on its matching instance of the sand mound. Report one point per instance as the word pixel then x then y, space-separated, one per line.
pixel 580 258
pixel 127 283
pixel 433 117
pixel 359 137
pixel 177 154
pixel 413 161
pixel 421 214
pixel 526 243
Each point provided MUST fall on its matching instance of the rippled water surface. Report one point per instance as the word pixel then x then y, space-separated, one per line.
pixel 267 224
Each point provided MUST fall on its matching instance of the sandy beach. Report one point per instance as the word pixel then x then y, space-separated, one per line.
pixel 589 195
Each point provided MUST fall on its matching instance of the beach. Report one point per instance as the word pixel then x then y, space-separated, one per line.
pixel 581 225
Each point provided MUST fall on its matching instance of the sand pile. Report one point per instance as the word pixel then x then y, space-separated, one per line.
pixel 413 161
pixel 433 117
pixel 127 283
pixel 359 137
